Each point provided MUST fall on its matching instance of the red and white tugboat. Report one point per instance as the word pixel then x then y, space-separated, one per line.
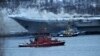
pixel 43 41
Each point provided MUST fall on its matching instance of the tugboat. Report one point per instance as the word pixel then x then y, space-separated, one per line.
pixel 43 41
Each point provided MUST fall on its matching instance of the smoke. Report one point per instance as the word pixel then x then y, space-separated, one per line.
pixel 27 10
pixel 33 13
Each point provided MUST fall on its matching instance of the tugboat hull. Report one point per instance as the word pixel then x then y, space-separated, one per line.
pixel 43 45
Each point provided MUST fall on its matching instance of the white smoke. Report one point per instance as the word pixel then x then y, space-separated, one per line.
pixel 36 14
pixel 33 13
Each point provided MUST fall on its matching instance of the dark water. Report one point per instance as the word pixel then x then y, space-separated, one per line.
pixel 86 45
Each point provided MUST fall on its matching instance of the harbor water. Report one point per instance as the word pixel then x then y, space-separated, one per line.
pixel 84 45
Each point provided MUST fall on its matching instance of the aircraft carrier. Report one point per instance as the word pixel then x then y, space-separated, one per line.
pixel 88 26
